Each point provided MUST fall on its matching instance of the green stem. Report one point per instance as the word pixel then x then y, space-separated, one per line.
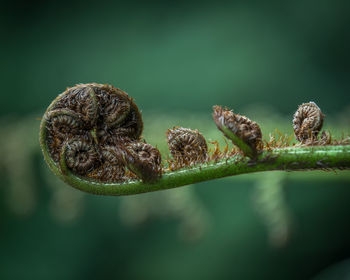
pixel 243 146
pixel 287 159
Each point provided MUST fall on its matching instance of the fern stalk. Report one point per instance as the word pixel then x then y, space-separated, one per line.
pixel 284 159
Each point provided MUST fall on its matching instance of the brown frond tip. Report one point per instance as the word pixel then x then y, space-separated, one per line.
pixel 187 146
pixel 81 156
pixel 307 122
pixel 247 130
pixel 144 160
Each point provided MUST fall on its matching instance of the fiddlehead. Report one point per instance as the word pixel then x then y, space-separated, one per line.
pixel 307 122
pixel 188 147
pixel 81 156
pixel 243 132
pixel 94 131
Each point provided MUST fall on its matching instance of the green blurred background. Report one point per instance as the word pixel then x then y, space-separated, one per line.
pixel 177 59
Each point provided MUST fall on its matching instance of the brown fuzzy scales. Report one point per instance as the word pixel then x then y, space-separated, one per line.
pixel 278 140
pixel 187 146
pixel 217 154
pixel 112 168
pixel 244 128
pixel 98 123
pixel 307 122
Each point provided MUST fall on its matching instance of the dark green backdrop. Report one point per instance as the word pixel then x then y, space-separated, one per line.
pixel 177 59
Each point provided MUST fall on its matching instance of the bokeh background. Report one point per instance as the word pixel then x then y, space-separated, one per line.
pixel 177 59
